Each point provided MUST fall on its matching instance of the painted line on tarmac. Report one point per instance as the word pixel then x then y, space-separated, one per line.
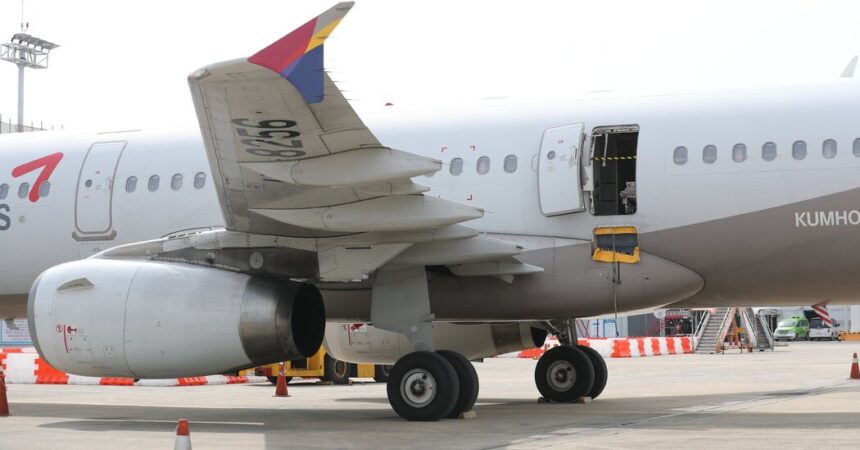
pixel 560 436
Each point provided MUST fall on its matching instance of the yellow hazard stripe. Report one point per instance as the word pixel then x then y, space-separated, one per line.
pixel 612 158
pixel 614 230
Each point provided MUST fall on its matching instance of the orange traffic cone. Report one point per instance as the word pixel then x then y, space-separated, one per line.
pixel 281 388
pixel 183 436
pixel 4 403
pixel 855 369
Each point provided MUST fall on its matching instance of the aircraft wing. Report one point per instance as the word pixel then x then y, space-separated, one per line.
pixel 303 181
pixel 290 156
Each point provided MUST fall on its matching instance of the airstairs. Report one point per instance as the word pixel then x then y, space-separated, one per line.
pixel 720 322
pixel 710 332
pixel 763 334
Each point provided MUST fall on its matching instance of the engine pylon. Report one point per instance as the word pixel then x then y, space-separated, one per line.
pixel 855 368
pixel 183 436
pixel 4 402
pixel 281 388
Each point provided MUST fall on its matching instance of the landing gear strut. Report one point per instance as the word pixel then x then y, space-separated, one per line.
pixel 428 386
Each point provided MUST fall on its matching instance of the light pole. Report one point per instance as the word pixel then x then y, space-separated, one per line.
pixel 26 51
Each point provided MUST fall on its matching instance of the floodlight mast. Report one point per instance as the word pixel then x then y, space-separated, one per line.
pixel 26 51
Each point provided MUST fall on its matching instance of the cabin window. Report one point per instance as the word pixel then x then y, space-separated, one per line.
pixel 768 151
pixel 739 153
pixel 511 163
pixel 131 184
pixel 44 189
pixel 709 154
pixel 829 149
pixel 613 158
pixel 483 165
pixel 4 191
pixel 456 166
pixel 200 180
pixel 680 156
pixel 856 148
pixel 798 150
pixel 176 182
pixel 23 189
pixel 153 183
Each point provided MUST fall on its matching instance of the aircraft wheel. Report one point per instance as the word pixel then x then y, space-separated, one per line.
pixel 381 372
pixel 468 380
pixel 336 371
pixel 423 386
pixel 564 374
pixel 601 373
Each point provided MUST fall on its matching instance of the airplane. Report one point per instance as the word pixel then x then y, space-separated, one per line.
pixel 456 234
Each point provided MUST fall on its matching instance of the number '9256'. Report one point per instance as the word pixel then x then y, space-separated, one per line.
pixel 271 138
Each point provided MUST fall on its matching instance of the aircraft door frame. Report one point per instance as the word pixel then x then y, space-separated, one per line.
pixel 559 171
pixel 94 192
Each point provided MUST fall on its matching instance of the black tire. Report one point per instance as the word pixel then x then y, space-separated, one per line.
pixel 468 381
pixel 601 373
pixel 564 374
pixel 423 386
pixel 336 371
pixel 381 372
pixel 274 380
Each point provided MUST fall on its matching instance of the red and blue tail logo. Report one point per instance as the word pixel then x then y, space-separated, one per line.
pixel 298 56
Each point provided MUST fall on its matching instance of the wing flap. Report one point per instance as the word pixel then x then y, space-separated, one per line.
pixel 290 156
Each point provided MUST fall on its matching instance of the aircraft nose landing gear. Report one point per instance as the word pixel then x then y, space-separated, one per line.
pixel 565 374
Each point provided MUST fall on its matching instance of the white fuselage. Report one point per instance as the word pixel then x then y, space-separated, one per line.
pixel 89 209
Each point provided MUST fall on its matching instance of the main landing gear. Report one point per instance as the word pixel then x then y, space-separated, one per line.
pixel 430 386
pixel 568 373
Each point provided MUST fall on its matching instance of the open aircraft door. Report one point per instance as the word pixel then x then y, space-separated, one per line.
pixel 559 172
pixel 94 199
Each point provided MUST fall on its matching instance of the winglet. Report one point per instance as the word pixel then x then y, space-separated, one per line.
pixel 298 56
pixel 849 69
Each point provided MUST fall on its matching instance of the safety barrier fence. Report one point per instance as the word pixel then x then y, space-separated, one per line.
pixel 24 366
pixel 624 347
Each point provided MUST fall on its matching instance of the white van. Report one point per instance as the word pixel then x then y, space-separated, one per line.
pixel 819 331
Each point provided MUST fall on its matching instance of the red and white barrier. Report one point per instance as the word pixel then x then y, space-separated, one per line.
pixel 624 347
pixel 24 366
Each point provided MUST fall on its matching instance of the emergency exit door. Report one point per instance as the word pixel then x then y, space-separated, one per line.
pixel 94 199
pixel 559 185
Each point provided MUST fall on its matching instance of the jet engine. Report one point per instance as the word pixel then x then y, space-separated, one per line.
pixel 147 319
pixel 363 343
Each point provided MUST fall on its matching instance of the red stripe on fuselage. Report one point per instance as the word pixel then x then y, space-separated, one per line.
pixel 47 163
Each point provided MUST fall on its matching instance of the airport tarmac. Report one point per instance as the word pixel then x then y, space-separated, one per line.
pixel 795 397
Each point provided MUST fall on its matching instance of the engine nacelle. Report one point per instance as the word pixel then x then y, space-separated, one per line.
pixel 362 343
pixel 147 319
